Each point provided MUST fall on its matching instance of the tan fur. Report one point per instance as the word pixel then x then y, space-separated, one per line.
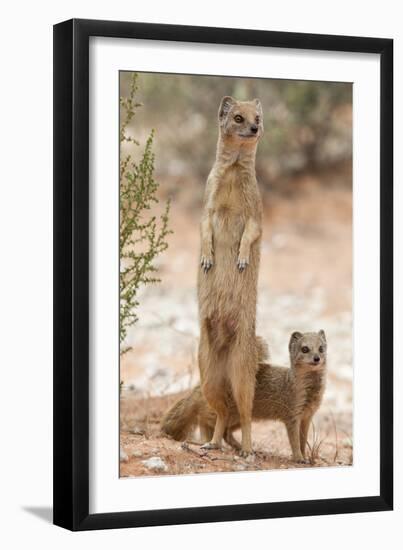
pixel 183 417
pixel 227 282
pixel 291 395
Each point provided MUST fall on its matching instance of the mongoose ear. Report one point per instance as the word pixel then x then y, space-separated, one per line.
pixel 322 335
pixel 258 104
pixel 295 337
pixel 226 103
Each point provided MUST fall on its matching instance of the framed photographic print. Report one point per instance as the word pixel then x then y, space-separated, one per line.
pixel 223 318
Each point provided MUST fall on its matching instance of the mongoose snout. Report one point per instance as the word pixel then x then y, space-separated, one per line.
pixel 308 350
pixel 241 119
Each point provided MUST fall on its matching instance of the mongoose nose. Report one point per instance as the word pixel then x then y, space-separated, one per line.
pixel 316 358
pixel 254 129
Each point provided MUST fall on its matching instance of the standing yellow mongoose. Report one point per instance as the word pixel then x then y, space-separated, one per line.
pixel 291 395
pixel 231 229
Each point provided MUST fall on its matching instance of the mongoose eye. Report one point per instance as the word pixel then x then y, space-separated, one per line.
pixel 238 118
pixel 321 350
pixel 305 349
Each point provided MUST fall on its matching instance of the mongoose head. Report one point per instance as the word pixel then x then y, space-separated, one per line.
pixel 308 350
pixel 241 121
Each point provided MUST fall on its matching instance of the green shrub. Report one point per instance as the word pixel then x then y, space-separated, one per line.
pixel 142 236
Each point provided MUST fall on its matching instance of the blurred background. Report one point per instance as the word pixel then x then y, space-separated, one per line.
pixel 304 171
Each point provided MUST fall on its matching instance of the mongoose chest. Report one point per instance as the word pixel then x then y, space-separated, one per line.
pixel 229 208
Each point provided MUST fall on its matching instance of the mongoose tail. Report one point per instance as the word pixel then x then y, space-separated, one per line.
pixel 182 417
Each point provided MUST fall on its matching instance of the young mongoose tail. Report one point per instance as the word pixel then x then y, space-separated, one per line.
pixel 289 394
pixel 229 257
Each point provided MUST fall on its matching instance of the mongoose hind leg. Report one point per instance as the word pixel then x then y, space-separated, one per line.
pixel 214 392
pixel 242 375
pixel 221 423
pixel 206 433
pixel 231 440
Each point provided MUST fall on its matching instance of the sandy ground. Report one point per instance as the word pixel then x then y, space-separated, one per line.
pixel 305 284
pixel 330 444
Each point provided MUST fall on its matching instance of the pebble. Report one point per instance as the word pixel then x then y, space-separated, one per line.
pixel 155 463
pixel 137 453
pixel 137 431
pixel 123 456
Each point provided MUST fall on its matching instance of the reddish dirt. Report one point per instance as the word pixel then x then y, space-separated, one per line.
pixel 141 439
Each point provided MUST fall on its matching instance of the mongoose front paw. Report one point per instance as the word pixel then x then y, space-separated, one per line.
pixel 242 263
pixel 206 263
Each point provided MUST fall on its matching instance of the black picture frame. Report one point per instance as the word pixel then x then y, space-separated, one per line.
pixel 71 274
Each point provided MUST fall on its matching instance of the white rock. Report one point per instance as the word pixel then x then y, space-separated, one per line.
pixel 136 453
pixel 155 463
pixel 123 456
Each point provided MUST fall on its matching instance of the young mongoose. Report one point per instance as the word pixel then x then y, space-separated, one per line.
pixel 227 281
pixel 291 395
